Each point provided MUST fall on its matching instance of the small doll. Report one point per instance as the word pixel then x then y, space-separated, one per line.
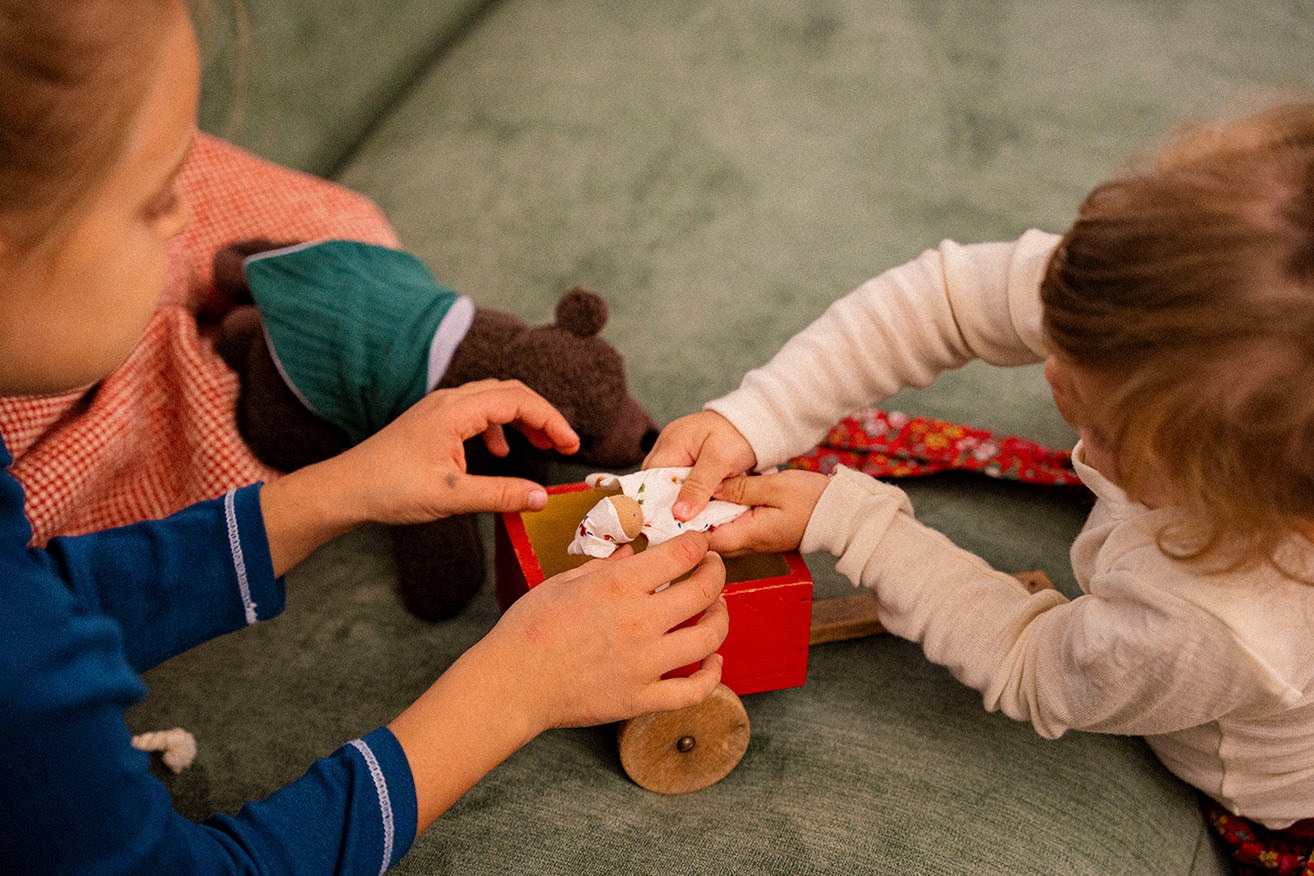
pixel 642 507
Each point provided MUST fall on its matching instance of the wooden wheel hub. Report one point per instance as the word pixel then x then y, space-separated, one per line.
pixel 688 749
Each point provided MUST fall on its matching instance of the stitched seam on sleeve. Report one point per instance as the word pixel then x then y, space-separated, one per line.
pixel 239 561
pixel 385 802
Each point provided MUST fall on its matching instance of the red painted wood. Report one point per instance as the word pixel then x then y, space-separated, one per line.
pixel 769 597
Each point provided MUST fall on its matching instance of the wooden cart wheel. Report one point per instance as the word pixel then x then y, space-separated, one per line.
pixel 688 749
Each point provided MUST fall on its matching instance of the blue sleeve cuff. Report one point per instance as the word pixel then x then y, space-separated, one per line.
pixel 262 594
pixel 395 787
pixel 352 812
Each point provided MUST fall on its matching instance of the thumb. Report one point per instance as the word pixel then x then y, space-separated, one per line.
pixel 698 487
pixel 744 490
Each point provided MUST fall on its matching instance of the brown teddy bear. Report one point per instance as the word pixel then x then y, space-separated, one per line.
pixel 288 323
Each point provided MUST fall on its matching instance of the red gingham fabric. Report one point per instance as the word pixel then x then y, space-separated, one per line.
pixel 159 433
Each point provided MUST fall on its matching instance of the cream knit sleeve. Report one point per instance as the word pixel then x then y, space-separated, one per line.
pixel 950 305
pixel 1129 657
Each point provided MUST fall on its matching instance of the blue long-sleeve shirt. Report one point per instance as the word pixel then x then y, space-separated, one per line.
pixel 78 621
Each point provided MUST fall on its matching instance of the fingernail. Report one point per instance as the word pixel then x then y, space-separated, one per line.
pixel 680 510
pixel 538 500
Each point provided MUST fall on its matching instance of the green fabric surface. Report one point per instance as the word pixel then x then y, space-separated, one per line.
pixel 720 170
pixel 350 326
pixel 302 83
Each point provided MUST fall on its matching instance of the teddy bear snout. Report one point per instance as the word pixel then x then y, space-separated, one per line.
pixel 627 440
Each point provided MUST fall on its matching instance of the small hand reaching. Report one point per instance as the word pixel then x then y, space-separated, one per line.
pixel 414 470
pixel 782 505
pixel 713 447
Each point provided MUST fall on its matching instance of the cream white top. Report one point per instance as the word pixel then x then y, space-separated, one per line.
pixel 1216 671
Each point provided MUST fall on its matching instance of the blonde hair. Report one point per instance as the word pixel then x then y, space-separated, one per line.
pixel 72 73
pixel 1190 287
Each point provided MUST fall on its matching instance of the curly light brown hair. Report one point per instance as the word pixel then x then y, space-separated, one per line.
pixel 1190 287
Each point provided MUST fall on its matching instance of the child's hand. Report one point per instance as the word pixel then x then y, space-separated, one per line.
pixel 716 450
pixel 413 471
pixel 594 643
pixel 781 508
pixel 588 646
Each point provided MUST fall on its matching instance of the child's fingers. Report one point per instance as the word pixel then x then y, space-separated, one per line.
pixel 486 404
pixel 670 450
pixel 495 441
pixel 663 563
pixel 632 574
pixel 594 565
pixel 760 530
pixel 712 447
pixel 746 490
pixel 565 442
pixel 670 694
pixel 693 595
pixel 692 643
pixel 684 443
pixel 702 481
pixel 778 490
pixel 540 422
pixel 695 493
pixel 621 552
pixel 736 538
pixel 474 493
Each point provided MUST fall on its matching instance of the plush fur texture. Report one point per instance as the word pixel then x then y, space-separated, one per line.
pixel 441 565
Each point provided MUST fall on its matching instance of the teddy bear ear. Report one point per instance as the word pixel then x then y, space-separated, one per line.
pixel 581 312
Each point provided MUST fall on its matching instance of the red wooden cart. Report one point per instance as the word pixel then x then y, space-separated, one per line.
pixel 773 621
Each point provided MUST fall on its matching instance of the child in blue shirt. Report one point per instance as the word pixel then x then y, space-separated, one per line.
pixel 99 113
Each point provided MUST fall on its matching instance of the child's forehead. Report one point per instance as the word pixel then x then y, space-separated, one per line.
pixel 163 126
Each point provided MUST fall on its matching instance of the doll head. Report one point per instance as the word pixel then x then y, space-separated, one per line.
pixel 629 513
pixel 615 520
pixel 1185 295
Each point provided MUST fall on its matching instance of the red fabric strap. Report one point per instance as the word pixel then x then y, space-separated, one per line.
pixel 1257 849
pixel 891 444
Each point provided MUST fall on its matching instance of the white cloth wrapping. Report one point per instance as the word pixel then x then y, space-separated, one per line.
pixel 599 532
pixel 655 490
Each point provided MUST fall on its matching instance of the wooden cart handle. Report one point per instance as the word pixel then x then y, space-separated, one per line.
pixel 853 617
